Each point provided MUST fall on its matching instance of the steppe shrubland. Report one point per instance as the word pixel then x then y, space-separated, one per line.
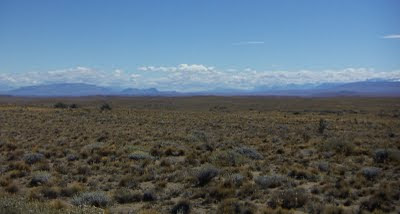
pixel 199 155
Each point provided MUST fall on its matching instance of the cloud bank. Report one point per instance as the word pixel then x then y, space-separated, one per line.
pixel 194 68
pixel 70 75
pixel 249 43
pixel 194 77
pixel 392 36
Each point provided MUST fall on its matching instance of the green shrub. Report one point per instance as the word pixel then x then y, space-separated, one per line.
pixel 97 199
pixel 236 179
pixel 73 105
pixel 227 158
pixel 40 178
pixel 370 173
pixel 49 192
pixel 32 158
pixel 270 181
pixel 11 204
pixel 205 175
pixel 249 153
pixel 71 190
pixel 123 196
pixel 234 206
pixel 323 124
pixel 60 105
pixel 12 188
pixel 289 198
pixel 339 146
pixel 149 196
pixel 105 107
pixel 183 207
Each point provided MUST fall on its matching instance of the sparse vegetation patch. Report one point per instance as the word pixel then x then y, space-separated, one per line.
pixel 190 155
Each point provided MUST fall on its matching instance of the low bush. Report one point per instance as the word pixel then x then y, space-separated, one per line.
pixel 236 179
pixel 40 178
pixel 128 181
pixel 301 174
pixel 370 173
pixel 234 206
pixel 105 107
pixel 15 173
pixel 71 190
pixel 19 165
pixel 289 198
pixel 49 192
pixel 123 196
pixel 270 181
pixel 249 153
pixel 221 192
pixel 83 170
pixel 97 199
pixel 381 155
pixel 140 156
pixel 60 105
pixel 205 175
pixel 72 157
pixel 73 105
pixel 149 196
pixel 182 207
pixel 17 205
pixel 377 202
pixel 394 155
pixel 323 124
pixel 12 188
pixel 32 158
pixel 59 204
pixel 323 166
pixel 170 151
pixel 339 146
pixel 227 158
pixel 332 209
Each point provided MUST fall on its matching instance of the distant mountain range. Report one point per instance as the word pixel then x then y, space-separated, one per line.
pixel 366 88
pixel 66 89
pixel 147 92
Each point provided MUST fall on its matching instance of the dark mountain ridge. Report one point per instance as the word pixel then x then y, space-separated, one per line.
pixel 366 88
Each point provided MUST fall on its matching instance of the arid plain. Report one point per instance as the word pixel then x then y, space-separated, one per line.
pixel 199 155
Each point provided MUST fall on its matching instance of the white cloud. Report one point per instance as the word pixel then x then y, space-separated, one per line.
pixel 249 43
pixel 192 77
pixel 117 77
pixel 392 36
pixel 200 78
pixel 194 68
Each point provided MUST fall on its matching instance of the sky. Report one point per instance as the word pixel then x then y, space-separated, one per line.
pixel 190 45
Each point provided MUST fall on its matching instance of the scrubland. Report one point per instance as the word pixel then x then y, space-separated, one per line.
pixel 199 155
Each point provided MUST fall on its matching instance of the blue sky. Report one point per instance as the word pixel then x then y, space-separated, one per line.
pixel 198 44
